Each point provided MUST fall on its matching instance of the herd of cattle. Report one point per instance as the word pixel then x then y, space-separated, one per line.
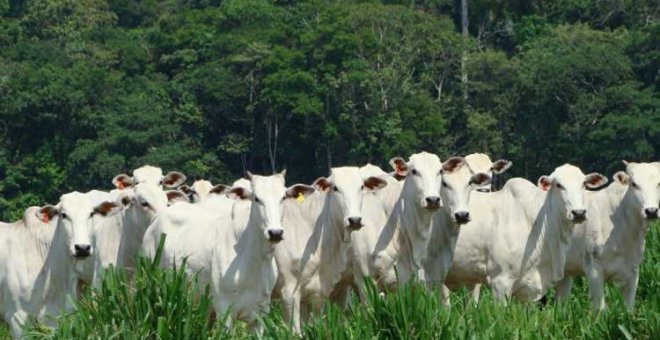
pixel 258 240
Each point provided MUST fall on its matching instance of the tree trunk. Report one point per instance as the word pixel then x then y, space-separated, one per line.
pixel 464 33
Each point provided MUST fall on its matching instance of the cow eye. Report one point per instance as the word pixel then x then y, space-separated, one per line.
pixel 64 215
pixel 144 204
pixel 335 189
pixel 635 185
pixel 443 183
pixel 91 214
pixel 559 186
pixel 256 199
pixel 414 172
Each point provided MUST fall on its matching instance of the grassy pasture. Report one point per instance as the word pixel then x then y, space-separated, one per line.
pixel 167 305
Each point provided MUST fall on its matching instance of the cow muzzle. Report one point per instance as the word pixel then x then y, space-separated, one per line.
pixel 651 213
pixel 355 223
pixel 432 202
pixel 275 235
pixel 579 215
pixel 462 217
pixel 82 250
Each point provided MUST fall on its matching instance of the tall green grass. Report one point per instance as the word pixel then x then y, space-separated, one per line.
pixel 166 305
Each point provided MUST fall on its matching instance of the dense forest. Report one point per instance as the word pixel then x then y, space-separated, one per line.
pixel 92 88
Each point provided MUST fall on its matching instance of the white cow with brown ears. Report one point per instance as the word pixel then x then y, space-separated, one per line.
pixel 312 258
pixel 39 264
pixel 609 247
pixel 518 241
pixel 481 162
pixel 239 266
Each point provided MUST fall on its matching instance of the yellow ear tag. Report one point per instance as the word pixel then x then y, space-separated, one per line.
pixel 300 198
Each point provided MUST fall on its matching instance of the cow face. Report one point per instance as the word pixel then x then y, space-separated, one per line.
pixel 148 198
pixel 423 175
pixel 75 221
pixel 346 188
pixel 566 186
pixel 458 182
pixel 152 175
pixel 268 194
pixel 480 162
pixel 644 186
pixel 199 190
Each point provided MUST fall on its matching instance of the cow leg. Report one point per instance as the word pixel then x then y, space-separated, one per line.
pixel 563 289
pixel 444 294
pixel 16 323
pixel 291 305
pixel 596 287
pixel 257 327
pixel 475 291
pixel 629 290
pixel 502 288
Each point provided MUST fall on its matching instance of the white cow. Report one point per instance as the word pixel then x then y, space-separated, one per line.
pixel 445 226
pixel 200 190
pixel 312 258
pixel 481 162
pixel 241 269
pixel 38 267
pixel 149 174
pixel 609 247
pixel 518 241
pixel 456 190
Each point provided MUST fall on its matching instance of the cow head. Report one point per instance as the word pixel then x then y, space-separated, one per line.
pixel 149 174
pixel 566 186
pixel 148 198
pixel 458 182
pixel 345 188
pixel 422 172
pixel 480 162
pixel 75 221
pixel 268 195
pixel 643 181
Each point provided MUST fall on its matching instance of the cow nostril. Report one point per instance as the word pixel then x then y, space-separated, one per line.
pixel 433 200
pixel 275 234
pixel 651 212
pixel 82 249
pixel 579 213
pixel 462 216
pixel 355 221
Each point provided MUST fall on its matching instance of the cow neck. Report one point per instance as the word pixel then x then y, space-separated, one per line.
pixel 57 279
pixel 333 244
pixel 633 231
pixel 549 238
pixel 414 227
pixel 134 225
pixel 252 248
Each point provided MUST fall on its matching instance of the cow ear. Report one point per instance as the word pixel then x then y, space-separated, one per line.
pixel 46 213
pixel 122 181
pixel 174 196
pixel 453 164
pixel 249 175
pixel 186 189
pixel 173 179
pixel 238 193
pixel 501 166
pixel 299 189
pixel 480 179
pixel 374 183
pixel 219 189
pixel 322 184
pixel 545 183
pixel 107 209
pixel 283 173
pixel 595 180
pixel 400 167
pixel 625 162
pixel 622 177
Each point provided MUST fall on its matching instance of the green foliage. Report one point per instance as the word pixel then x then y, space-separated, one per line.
pixel 89 89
